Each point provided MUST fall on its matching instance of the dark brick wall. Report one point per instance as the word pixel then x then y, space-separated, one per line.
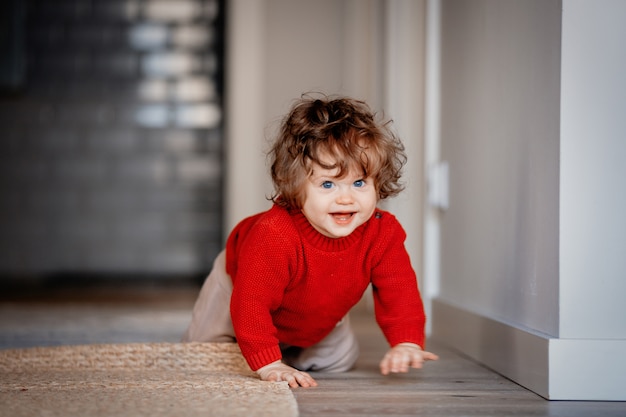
pixel 111 143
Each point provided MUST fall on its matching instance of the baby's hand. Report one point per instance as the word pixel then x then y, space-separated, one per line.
pixel 278 371
pixel 405 355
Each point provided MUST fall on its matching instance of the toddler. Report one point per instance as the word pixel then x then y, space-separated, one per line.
pixel 288 277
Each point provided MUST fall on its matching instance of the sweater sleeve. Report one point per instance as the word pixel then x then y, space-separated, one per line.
pixel 262 274
pixel 397 301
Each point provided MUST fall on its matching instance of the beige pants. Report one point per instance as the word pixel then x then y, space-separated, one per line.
pixel 211 322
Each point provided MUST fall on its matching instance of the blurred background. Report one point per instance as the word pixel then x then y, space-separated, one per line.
pixel 111 115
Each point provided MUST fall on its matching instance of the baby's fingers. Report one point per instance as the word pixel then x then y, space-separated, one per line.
pixel 384 367
pixel 295 379
pixel 303 379
pixel 404 356
pixel 418 358
pixel 394 362
pixel 278 371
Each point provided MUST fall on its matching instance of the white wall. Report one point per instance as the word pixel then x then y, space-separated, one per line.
pixel 532 264
pixel 593 202
pixel 500 135
pixel 593 170
pixel 404 99
pixel 246 184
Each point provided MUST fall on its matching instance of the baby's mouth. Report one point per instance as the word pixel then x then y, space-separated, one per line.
pixel 342 217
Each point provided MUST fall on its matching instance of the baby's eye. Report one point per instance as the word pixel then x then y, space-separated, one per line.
pixel 327 184
pixel 359 183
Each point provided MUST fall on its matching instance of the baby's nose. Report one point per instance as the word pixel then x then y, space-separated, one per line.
pixel 344 196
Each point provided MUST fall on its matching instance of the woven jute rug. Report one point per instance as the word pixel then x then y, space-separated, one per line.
pixel 139 379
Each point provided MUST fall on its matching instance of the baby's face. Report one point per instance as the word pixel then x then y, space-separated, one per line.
pixel 335 207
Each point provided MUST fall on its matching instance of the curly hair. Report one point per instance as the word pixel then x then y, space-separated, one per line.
pixel 343 129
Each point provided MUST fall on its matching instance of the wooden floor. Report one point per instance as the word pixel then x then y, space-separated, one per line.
pixel 453 386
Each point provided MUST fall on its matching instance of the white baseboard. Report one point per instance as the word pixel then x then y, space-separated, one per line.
pixel 556 369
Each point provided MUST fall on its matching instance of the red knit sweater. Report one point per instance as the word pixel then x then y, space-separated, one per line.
pixel 292 284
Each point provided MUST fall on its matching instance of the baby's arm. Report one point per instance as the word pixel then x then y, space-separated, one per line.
pixel 404 355
pixel 278 371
